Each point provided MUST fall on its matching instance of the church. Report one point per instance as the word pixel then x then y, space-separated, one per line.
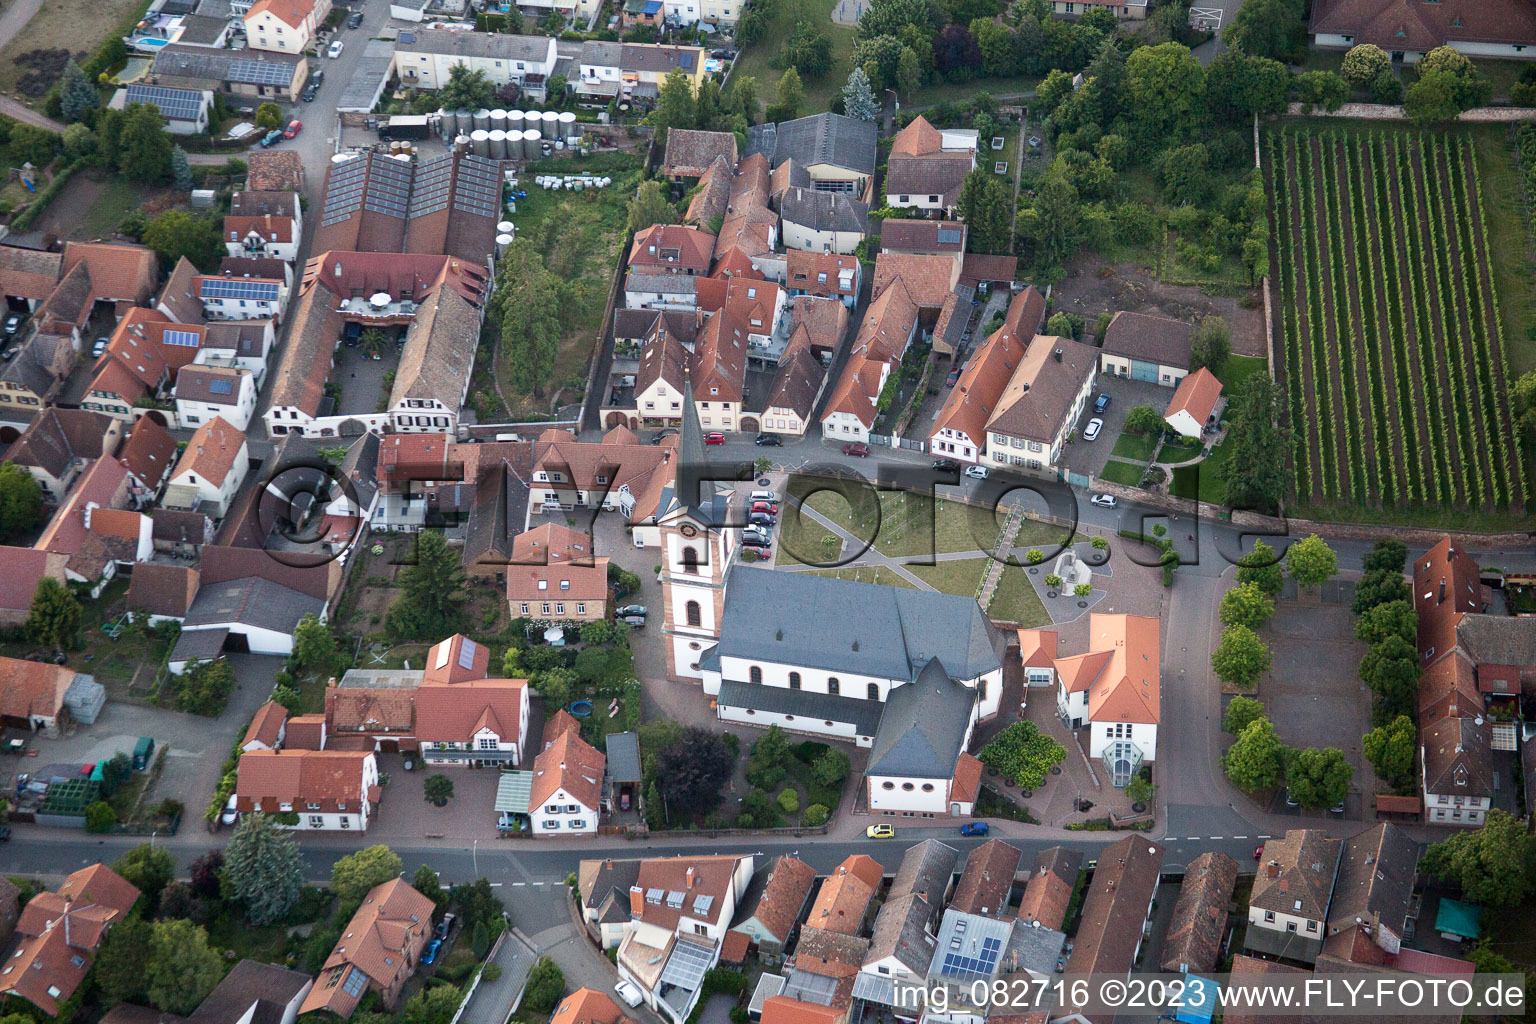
pixel 907 674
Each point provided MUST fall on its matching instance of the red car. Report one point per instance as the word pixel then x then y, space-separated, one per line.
pixel 765 508
pixel 714 437
pixel 1258 852
pixel 293 129
pixel 858 448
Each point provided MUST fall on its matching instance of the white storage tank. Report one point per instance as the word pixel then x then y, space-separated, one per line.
pixel 568 129
pixel 504 227
pixel 482 119
pixel 502 241
pixel 498 120
pixel 515 120
pixel 515 144
pixel 498 144
pixel 465 119
pixel 531 139
pixel 480 142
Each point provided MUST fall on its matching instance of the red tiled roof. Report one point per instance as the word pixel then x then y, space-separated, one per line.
pixel 975 396
pixel 691 876
pixel 148 452
pixel 453 713
pixel 267 779
pixel 291 12
pixel 32 687
pixel 25 567
pixel 845 894
pixel 967 782
pixel 268 227
pixel 672 248
pixel 159 589
pixel 67 531
pixel 61 931
pixel 306 732
pixel 588 1006
pixel 929 279
pixel 118 272
pixel 212 452
pixel 457 659
pixel 778 906
pixel 266 725
pixel 1197 395
pixel 570 763
pixel 383 940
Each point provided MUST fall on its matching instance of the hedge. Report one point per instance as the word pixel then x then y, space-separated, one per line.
pixel 49 193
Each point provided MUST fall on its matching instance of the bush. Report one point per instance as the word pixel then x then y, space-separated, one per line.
pixel 826 796
pixel 790 801
pixel 546 984
pixel 1023 754
pixel 99 817
pixel 815 815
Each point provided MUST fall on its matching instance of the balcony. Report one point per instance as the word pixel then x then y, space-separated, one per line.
pixel 378 310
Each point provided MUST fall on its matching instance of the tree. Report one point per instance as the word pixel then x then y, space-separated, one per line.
pixel 1393 618
pixel 54 617
pixel 264 868
pixel 122 961
pixel 466 90
pixel 148 868
pixel 909 71
pixel 1186 175
pixel 314 646
pixel 181 170
pixel 1255 472
pixel 438 789
pixel 204 687
pixel 435 1005
pixel 830 768
pixel 526 308
pixel 480 939
pixel 691 770
pixel 859 97
pixel 1489 864
pixel 1246 605
pixel 1022 754
pixel 741 95
pixel 1380 586
pixel 182 969
pixel 1143 419
pixel 476 903
pixel 1471 89
pixel 1433 99
pixel 77 94
pixel 353 876
pixel 1323 89
pixel 177 233
pixel 674 105
pixel 1240 86
pixel 1210 345
pixel 955 54
pixel 650 207
pixel 984 206
pixel 80 143
pixel 206 872
pixel 1266 28
pixel 1241 657
pixel 1257 759
pixel 1390 749
pixel 1164 93
pixel 1241 711
pixel 1310 561
pixel 1318 778
pixel 1386 554
pixel 269 115
pixel 1261 568
pixel 790 95
pixel 143 144
pixel 546 984
pixel 429 885
pixel 100 817
pixel 1391 669
pixel 808 50
pixel 434 588
pixel 999 52
pixel 373 341
pixel 1363 63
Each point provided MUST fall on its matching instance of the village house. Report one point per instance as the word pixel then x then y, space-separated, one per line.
pixel 812 220
pixel 331 790
pixel 837 152
pixel 926 237
pixel 162 593
pixel 1146 347
pixel 1044 398
pixel 1505 30
pixel 148 453
pixel 960 429
pixel 59 444
pixel 1116 906
pixel 1288 911
pixel 284 26
pixel 1048 893
pixel 566 791
pixel 264 225
pixel 205 392
pixel 211 469
pixel 440 206
pixel 245 74
pixel 588 1006
pixel 99 526
pixel 1193 943
pixel 552 575
pixel 378 951
pixel 823 275
pixel 844 899
pixel 801 376
pixel 672 249
pixel 225 297
pixel 774 904
pixel 424 58
pixel 1193 409
pixel 690 153
pixel 243 344
pixel 927 167
pixel 610 69
pixel 61 931
pixel 890 323
pixel 986 884
pixel 186 111
pixel 38 696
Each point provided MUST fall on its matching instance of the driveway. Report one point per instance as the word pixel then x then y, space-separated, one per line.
pixel 1089 457
pixel 404 813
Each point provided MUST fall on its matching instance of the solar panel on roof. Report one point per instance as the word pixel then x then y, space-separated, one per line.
pixel 467 654
pixel 260 72
pixel 176 104
pixel 355 983
pixel 979 963
pixel 220 387
pixel 238 288
pixel 186 339
pixel 949 235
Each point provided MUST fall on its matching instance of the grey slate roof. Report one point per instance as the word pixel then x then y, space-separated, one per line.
pixel 761 139
pixel 802 619
pixel 359 467
pixel 439 350
pixel 926 869
pixel 923 729
pixel 245 66
pixel 824 211
pixel 1498 640
pixel 251 601
pixel 903 929
pixel 668 284
pixel 493 45
pixel 863 714
pixel 25 370
pixel 263 990
pixel 826 139
pixel 1035 950
pixel 623 749
pixel 199 644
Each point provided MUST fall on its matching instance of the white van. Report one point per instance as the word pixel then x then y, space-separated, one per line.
pixel 764 496
pixel 506 437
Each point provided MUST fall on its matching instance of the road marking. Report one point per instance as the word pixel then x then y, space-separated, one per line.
pixel 536 883
pixel 1239 837
pixel 1215 838
pixel 493 885
pixel 1265 836
pixel 519 883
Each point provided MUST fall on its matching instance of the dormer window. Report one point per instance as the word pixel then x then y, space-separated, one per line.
pixel 543 584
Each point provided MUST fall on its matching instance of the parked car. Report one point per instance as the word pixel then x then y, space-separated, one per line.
pixel 1101 403
pixel 309 93
pixel 757 543
pixel 662 435
pixel 769 440
pixel 634 621
pixel 335 50
pixel 631 609
pixel 764 496
pixel 953 378
pixel 1091 431
pixel 429 955
pixel 5 833
pixel 275 135
pixel 758 535
pixel 1103 500
pixel 975 828
pixel 98 348
pixel 293 129
pixel 1258 852
pixel 857 448
pixel 946 465
pixel 714 437
pixel 881 832
pixel 976 472
pixel 12 325
pixel 445 925
pixel 356 21
pixel 765 508
pixel 229 815
pixel 760 519
pixel 628 992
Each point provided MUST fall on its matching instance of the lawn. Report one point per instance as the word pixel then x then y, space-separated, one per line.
pixel 1203 479
pixel 1509 235
pixel 75 27
pixel 1014 600
pixel 756 60
pixel 1122 473
pixel 1135 447
pixel 879 575
pixel 904 523
pixel 1238 370
pixel 580 235
pixel 1173 453
pixel 118 199
pixel 956 576
pixel 112 661
pixel 962 92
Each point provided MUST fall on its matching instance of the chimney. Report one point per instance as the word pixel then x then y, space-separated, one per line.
pixel 1441 598
pixel 636 901
pixel 1058 355
pixel 691 878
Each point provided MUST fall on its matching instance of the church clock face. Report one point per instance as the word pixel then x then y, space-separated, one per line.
pixel 688 530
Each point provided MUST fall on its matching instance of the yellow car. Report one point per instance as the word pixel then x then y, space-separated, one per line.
pixel 881 832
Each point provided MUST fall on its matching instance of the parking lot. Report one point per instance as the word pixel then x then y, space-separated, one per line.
pixel 1088 457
